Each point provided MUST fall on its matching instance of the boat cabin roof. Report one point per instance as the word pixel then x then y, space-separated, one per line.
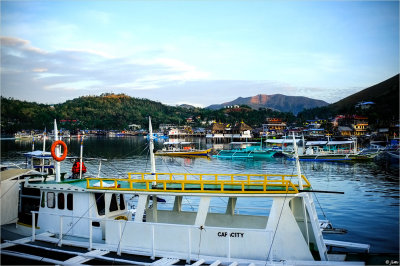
pixel 187 184
pixel 14 173
pixel 177 143
pixel 332 142
pixel 38 154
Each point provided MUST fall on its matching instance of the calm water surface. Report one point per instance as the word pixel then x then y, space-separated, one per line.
pixel 369 209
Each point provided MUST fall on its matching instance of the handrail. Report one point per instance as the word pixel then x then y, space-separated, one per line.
pixel 201 183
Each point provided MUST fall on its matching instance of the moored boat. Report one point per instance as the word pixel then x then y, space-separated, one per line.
pixel 91 213
pixel 181 148
pixel 330 150
pixel 246 151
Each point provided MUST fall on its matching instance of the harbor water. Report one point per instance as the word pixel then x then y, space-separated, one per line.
pixel 368 209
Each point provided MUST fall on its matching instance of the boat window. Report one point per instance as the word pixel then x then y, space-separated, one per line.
pixel 70 202
pixel 42 204
pixel 113 203
pixel 250 206
pixel 50 200
pixel 121 202
pixel 60 201
pixel 100 203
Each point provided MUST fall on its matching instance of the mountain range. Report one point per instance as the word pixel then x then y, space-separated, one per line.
pixel 276 102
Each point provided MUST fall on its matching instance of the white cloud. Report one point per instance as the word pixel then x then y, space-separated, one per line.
pixel 25 66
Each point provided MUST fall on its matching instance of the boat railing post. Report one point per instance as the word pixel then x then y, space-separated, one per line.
pixel 229 245
pixel 60 233
pixel 33 225
pixel 271 255
pixel 189 245
pixel 153 253
pixel 90 234
pixel 120 238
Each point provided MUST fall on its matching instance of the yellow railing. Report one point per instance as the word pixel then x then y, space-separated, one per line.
pixel 210 183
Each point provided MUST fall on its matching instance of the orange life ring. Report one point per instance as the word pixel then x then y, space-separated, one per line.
pixel 53 149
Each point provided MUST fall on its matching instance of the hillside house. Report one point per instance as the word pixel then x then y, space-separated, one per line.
pixel 360 125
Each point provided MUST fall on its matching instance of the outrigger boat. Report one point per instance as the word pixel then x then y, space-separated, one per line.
pixel 249 151
pixel 331 151
pixel 181 148
pixel 86 220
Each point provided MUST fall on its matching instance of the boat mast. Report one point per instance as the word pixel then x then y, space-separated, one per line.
pixel 44 149
pixel 80 158
pixel 151 147
pixel 57 150
pixel 296 155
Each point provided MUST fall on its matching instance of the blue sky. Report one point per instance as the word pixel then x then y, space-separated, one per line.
pixel 196 52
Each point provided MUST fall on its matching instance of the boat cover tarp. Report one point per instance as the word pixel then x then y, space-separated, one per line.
pixel 335 142
pixel 38 154
pixel 312 143
pixel 176 142
pixel 281 141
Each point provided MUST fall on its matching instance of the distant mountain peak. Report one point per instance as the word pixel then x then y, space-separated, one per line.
pixel 278 102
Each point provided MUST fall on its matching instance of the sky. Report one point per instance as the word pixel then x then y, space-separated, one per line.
pixel 196 52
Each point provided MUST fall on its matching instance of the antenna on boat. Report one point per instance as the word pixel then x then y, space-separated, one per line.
pixel 57 150
pixel 296 156
pixel 151 147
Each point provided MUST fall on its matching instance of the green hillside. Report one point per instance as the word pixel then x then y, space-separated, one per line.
pixel 108 111
pixel 385 95
pixel 111 111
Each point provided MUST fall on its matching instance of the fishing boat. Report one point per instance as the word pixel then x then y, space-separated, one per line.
pixel 85 220
pixel 181 148
pixel 246 150
pixel 331 150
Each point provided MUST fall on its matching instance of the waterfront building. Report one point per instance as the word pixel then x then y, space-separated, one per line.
pixel 227 132
pixel 345 131
pixel 274 127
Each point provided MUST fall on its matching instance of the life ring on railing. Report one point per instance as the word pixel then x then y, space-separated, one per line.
pixel 53 150
pixel 121 217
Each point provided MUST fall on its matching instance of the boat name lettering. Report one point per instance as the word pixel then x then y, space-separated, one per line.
pixel 233 234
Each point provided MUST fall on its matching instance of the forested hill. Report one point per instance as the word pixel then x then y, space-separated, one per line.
pixel 111 111
pixel 384 111
pixel 108 111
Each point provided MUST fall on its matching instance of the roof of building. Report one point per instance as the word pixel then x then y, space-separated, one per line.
pixel 345 129
pixel 242 126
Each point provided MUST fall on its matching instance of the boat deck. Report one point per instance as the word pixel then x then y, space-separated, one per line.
pixel 202 183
